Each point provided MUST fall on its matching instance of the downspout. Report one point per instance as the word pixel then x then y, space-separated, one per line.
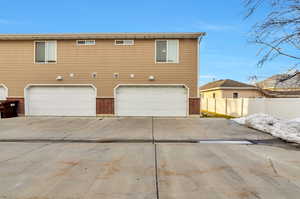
pixel 198 62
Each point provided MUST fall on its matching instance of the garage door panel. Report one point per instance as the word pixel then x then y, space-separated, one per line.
pixel 61 101
pixel 151 101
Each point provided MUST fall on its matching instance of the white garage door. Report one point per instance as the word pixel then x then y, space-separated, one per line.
pixel 151 101
pixel 2 93
pixel 61 101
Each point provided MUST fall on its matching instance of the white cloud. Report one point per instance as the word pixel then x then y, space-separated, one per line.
pixel 208 76
pixel 214 27
pixel 4 21
pixel 9 22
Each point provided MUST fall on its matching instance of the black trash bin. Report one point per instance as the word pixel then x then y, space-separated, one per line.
pixel 9 109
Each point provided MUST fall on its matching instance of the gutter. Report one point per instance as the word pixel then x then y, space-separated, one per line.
pixel 171 35
pixel 230 88
pixel 270 95
pixel 198 61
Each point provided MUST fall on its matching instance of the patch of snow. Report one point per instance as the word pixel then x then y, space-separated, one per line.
pixel 262 122
pixel 288 130
pixel 295 120
pixel 240 120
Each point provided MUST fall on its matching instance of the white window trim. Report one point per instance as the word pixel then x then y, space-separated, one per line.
pixel 34 44
pixel 124 43
pixel 167 62
pixel 85 41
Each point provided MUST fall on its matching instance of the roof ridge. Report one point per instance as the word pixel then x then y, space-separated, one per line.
pixel 225 83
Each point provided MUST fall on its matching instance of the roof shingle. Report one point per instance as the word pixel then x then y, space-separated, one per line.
pixel 225 83
pixel 281 81
pixel 281 94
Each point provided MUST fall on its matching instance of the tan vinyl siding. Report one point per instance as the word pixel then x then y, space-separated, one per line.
pixel 209 94
pixel 222 93
pixel 17 67
pixel 242 93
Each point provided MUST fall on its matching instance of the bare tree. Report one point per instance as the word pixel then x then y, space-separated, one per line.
pixel 278 34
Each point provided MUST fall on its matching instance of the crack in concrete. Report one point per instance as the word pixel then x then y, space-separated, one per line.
pixel 273 166
pixel 152 130
pixel 156 172
pixel 152 141
pixel 155 159
pixel 25 153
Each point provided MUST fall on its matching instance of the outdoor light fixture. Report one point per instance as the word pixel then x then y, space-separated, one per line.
pixel 59 78
pixel 116 75
pixel 151 78
pixel 94 75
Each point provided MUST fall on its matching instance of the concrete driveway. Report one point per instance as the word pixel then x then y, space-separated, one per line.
pixel 62 128
pixel 146 129
pixel 228 172
pixel 39 160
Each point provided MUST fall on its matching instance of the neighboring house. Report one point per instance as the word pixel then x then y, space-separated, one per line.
pixel 281 86
pixel 228 89
pixel 282 82
pixel 125 74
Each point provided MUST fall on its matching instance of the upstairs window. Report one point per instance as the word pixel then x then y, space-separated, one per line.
pixel 124 42
pixel 235 95
pixel 45 52
pixel 166 51
pixel 85 42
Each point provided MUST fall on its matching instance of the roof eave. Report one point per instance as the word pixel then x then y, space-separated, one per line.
pixel 103 36
pixel 229 88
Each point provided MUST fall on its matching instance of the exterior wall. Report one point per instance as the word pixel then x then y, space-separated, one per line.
pixel 17 67
pixel 105 106
pixel 21 107
pixel 194 106
pixel 242 93
pixel 229 93
pixel 209 94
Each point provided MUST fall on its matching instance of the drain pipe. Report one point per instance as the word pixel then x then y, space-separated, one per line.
pixel 198 61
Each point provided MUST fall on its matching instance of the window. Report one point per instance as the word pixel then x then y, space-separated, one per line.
pixel 124 42
pixel 235 95
pixel 45 52
pixel 166 51
pixel 214 95
pixel 85 42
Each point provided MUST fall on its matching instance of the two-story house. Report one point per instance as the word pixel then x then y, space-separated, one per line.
pixel 123 74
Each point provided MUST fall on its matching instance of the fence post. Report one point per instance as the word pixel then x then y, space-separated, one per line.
pixel 242 108
pixel 215 105
pixel 207 104
pixel 226 106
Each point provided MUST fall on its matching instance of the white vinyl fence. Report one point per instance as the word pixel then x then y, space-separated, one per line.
pixel 285 108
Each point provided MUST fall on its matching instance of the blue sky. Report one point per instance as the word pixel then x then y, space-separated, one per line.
pixel 225 52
